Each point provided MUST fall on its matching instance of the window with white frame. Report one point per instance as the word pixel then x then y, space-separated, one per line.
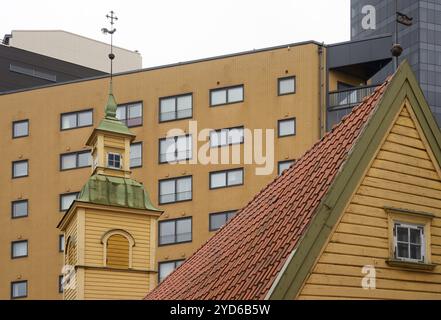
pixel 224 137
pixel 165 268
pixel 175 108
pixel 284 165
pixel 226 178
pixel 226 95
pixel 136 155
pixel 19 249
pixel 287 127
pixel 175 190
pixel 130 114
pixel 174 149
pixel 409 242
pixel 61 243
pixel 114 160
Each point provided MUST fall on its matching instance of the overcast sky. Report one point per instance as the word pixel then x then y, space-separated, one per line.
pixel 169 31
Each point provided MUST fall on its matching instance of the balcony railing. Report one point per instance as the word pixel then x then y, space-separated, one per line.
pixel 349 98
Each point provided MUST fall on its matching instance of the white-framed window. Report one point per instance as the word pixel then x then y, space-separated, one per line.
pixel 114 160
pixel 409 242
pixel 174 149
pixel 176 107
pixel 19 289
pixel 20 209
pixel 130 114
pixel 20 169
pixel 226 95
pixel 136 155
pixel 175 231
pixel 61 244
pixel 75 160
pixel 175 190
pixel 19 249
pixel 167 267
pixel 67 199
pixel 226 178
pixel 284 165
pixel 219 219
pixel 287 127
pixel 20 129
pixel 228 136
pixel 76 119
pixel 286 85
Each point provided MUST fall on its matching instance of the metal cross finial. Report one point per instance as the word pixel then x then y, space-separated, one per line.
pixel 112 30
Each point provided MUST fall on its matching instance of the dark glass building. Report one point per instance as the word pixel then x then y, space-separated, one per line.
pixel 421 41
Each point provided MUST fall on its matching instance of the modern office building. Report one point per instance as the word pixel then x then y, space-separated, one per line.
pixel 421 41
pixel 74 48
pixel 21 69
pixel 291 89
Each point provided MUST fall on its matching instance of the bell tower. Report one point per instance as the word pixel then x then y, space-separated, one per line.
pixel 110 230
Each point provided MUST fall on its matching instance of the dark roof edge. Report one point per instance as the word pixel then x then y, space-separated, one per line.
pixel 242 53
pixel 386 35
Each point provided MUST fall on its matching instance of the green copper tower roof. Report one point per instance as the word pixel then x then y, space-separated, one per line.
pixel 115 191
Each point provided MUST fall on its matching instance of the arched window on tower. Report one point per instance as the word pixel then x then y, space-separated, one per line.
pixel 118 249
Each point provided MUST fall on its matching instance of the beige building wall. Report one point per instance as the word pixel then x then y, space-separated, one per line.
pixel 76 49
pixel 262 107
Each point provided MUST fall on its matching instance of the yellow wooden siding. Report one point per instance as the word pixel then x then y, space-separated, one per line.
pixel 70 293
pixel 98 223
pixel 117 143
pixel 401 176
pixel 118 251
pixel 111 284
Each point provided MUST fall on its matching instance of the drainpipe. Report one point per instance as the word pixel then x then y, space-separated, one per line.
pixel 322 107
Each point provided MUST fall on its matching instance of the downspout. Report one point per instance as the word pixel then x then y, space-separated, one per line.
pixel 322 108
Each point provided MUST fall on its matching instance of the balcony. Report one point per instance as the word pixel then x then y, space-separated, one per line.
pixel 348 98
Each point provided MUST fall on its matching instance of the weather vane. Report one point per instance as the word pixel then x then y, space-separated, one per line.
pixel 112 17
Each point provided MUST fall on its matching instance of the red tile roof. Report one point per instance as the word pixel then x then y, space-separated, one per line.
pixel 242 260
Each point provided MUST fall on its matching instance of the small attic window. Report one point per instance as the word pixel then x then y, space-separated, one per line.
pixel 114 160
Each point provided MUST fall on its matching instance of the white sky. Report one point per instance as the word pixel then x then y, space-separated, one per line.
pixel 169 31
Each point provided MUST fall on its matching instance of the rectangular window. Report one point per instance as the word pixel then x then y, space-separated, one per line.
pixel 20 169
pixel 409 242
pixel 227 178
pixel 175 231
pixel 175 149
pixel 61 243
pixel 114 160
pixel 67 199
pixel 286 85
pixel 136 155
pixel 19 249
pixel 75 160
pixel 19 209
pixel 20 129
pixel 175 190
pixel 19 289
pixel 76 119
pixel 175 108
pixel 226 95
pixel 284 165
pixel 165 268
pixel 225 137
pixel 219 219
pixel 130 114
pixel 287 127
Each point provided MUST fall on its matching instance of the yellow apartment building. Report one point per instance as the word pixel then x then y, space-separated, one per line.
pixel 45 161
